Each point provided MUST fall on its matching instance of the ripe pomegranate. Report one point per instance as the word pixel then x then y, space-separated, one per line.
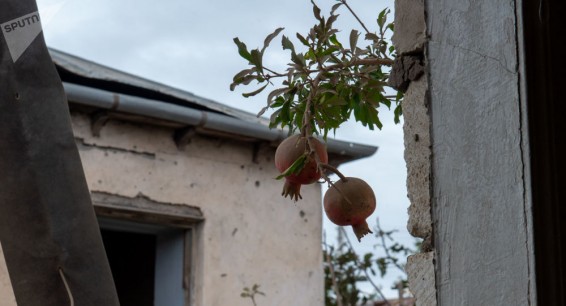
pixel 350 202
pixel 288 152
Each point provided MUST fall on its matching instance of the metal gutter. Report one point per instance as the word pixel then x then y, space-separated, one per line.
pixel 98 98
pixel 81 67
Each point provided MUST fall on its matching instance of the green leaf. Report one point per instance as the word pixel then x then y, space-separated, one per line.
pixel 331 20
pixel 257 59
pixel 382 266
pixel 382 17
pixel 303 40
pixel 316 11
pixel 287 44
pixel 391 49
pixel 298 59
pixel 372 36
pixel 278 102
pixel 275 93
pixel 242 73
pixel 275 119
pixel 295 168
pixel 373 117
pixel 333 39
pixel 354 40
pixel 335 101
pixel 398 113
pixel 244 80
pixel 242 49
pixel 329 51
pixel 335 7
pixel 270 97
pixel 255 92
pixel 269 38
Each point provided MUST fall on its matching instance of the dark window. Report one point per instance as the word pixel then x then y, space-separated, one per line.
pixel 132 260
pixel 149 247
pixel 148 261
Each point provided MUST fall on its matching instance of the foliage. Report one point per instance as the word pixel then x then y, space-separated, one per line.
pixel 327 81
pixel 251 293
pixel 325 84
pixel 345 270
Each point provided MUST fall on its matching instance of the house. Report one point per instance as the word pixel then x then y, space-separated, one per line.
pixel 185 195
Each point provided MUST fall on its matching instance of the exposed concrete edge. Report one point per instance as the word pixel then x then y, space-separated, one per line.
pixel 411 76
pixel 420 271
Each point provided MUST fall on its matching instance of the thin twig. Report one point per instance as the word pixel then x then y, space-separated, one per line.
pixel 385 248
pixel 332 274
pixel 354 62
pixel 333 169
pixel 276 74
pixel 365 271
pixel 355 15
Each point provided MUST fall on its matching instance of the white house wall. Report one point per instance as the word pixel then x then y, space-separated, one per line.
pixel 251 235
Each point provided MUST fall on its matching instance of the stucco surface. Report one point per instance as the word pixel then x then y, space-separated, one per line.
pixel 417 153
pixel 420 274
pixel 7 297
pixel 251 235
pixel 481 235
pixel 410 26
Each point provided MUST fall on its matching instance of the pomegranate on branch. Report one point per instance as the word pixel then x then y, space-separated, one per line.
pixel 299 164
pixel 350 201
pixel 325 84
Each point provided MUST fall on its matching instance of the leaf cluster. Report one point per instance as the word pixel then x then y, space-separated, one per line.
pixel 251 293
pixel 326 81
pixel 345 270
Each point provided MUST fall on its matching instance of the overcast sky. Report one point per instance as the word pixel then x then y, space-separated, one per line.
pixel 188 44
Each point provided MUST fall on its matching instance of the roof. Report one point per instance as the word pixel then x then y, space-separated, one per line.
pixel 120 95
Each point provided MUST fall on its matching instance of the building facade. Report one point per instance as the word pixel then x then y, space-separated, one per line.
pixel 185 195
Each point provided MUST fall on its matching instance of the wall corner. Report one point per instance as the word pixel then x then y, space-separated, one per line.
pixel 408 74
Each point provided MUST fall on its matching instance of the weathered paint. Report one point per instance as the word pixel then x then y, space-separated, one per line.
pixel 482 236
pixel 420 275
pixel 251 235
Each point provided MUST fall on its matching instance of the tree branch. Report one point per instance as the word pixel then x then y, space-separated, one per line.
pixel 385 248
pixel 332 274
pixel 355 15
pixel 365 271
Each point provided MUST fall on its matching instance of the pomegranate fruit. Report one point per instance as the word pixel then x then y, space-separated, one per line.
pixel 288 152
pixel 350 202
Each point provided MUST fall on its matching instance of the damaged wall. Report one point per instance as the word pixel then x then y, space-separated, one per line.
pixel 251 235
pixel 241 203
pixel 408 75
